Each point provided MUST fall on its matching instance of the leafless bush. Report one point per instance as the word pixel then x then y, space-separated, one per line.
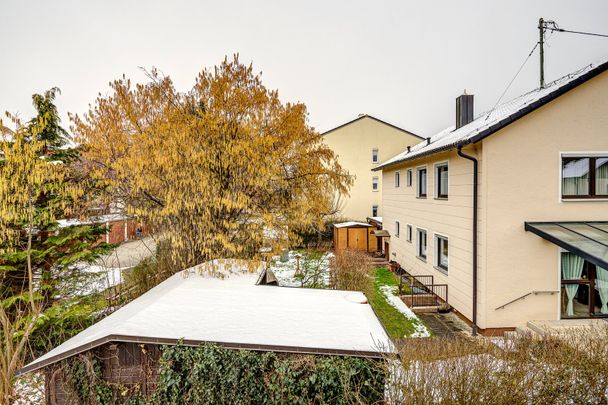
pixel 350 270
pixel 569 368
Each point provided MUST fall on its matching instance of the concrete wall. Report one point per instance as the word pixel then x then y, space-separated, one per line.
pixel 353 143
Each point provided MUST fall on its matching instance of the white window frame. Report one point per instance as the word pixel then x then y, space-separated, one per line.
pixel 375 156
pixel 397 228
pixel 409 175
pixel 409 232
pixel 437 181
pixel 376 182
pixel 397 179
pixel 426 234
pixel 436 237
pixel 418 170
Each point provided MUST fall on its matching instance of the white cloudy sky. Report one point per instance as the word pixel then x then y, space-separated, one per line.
pixel 403 61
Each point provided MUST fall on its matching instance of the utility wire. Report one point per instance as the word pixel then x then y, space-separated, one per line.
pixel 512 80
pixel 578 32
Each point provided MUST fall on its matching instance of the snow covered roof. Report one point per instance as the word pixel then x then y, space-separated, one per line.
pixel 491 121
pixel 351 223
pixel 234 312
pixel 63 223
pixel 377 219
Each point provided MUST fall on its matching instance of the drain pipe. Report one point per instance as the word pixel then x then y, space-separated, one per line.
pixel 475 198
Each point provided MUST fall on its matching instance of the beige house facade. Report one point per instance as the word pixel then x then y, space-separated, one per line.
pixel 361 145
pixel 542 206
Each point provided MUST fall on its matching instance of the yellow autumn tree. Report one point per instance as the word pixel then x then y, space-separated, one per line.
pixel 25 174
pixel 219 171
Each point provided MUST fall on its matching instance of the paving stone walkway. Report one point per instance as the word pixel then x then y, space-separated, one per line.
pixel 447 325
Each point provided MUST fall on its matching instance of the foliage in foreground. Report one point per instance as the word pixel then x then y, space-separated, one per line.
pixel 39 183
pixel 213 375
pixel 571 368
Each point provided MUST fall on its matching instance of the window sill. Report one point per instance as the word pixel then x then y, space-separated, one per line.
pixel 441 270
pixel 584 199
pixel 409 241
pixel 422 259
pixel 441 198
pixel 421 197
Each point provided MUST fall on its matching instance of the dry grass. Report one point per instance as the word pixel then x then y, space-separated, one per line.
pixel 571 368
pixel 351 270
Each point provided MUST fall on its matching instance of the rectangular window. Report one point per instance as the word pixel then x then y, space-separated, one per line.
pixel 422 182
pixel 421 239
pixel 441 244
pixel 585 177
pixel 409 178
pixel 375 183
pixel 409 233
pixel 374 211
pixel 397 228
pixel 374 155
pixel 441 180
pixel 397 179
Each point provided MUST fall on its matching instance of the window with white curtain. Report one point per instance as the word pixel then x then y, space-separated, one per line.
pixel 584 177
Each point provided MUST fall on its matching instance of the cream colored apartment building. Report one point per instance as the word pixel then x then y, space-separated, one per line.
pixel 542 214
pixel 361 145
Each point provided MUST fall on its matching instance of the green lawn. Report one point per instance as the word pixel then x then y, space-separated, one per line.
pixel 394 322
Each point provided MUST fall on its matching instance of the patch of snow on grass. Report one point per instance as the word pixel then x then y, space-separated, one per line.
pixel 420 329
pixel 29 389
pixel 314 271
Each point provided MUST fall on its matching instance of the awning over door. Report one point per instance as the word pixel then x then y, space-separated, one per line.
pixel 382 233
pixel 588 240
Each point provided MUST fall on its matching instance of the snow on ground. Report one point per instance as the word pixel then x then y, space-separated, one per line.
pixel 314 271
pixel 29 389
pixel 420 330
pixel 96 278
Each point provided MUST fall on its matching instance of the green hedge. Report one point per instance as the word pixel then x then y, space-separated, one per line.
pixel 209 374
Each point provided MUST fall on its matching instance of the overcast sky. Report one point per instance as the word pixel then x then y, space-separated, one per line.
pixel 402 61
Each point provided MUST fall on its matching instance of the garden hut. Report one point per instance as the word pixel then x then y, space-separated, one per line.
pixel 355 235
pixel 220 303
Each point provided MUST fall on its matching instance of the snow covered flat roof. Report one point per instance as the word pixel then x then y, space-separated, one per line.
pixel 235 312
pixel 491 121
pixel 63 223
pixel 351 223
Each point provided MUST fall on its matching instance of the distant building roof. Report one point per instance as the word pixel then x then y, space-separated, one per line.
pixel 234 312
pixel 63 223
pixel 491 121
pixel 361 116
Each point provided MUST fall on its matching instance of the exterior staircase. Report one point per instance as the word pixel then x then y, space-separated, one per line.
pixel 379 262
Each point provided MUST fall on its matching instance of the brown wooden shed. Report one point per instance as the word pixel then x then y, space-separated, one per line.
pixel 355 235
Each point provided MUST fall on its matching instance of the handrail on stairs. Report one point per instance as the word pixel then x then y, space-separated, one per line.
pixel 524 296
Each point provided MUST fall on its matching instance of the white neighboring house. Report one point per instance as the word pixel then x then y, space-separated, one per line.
pixel 509 208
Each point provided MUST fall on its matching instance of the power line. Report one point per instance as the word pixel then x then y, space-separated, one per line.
pixel 578 32
pixel 512 80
